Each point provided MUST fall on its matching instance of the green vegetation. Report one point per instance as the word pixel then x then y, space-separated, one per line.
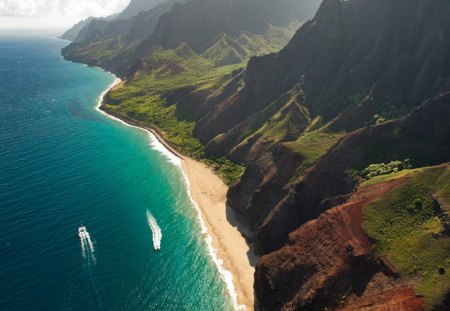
pixel 228 170
pixel 141 101
pixel 232 50
pixel 329 106
pixel 390 112
pixel 143 98
pixel 312 146
pixel 103 50
pixel 385 168
pixel 407 232
pixel 277 122
pixel 225 50
pixel 443 191
pixel 381 172
pixel 357 98
pixel 387 177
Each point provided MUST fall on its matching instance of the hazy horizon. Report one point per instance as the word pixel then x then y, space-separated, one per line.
pixel 53 14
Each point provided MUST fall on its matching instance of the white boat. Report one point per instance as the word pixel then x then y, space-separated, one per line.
pixel 82 231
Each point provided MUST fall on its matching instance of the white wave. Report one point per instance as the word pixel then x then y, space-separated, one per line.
pixel 154 141
pixel 225 274
pixel 87 247
pixel 116 82
pixel 156 231
pixel 83 247
pixel 158 146
pixel 89 242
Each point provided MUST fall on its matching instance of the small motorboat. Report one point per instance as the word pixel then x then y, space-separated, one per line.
pixel 82 231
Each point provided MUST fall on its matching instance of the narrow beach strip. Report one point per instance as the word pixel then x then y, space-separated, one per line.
pixel 226 245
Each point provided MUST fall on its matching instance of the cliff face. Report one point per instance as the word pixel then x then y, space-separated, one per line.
pixel 110 43
pixel 132 24
pixel 198 23
pixel 423 136
pixel 356 64
pixel 365 82
pixel 324 259
pixel 236 27
pixel 392 51
pixel 72 33
pixel 98 28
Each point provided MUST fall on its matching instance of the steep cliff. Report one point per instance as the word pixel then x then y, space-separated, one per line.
pixel 225 32
pixel 358 63
pixel 386 247
pixel 199 22
pixel 348 72
pixel 364 84
pixel 72 33
pixel 353 61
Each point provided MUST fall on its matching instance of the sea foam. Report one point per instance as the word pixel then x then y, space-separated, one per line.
pixel 156 231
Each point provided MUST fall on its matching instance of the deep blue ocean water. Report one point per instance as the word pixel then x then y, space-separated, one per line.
pixel 62 163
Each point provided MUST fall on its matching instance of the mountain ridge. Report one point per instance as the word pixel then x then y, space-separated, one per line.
pixel 362 86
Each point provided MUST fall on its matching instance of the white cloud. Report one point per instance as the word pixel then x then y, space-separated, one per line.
pixel 54 13
pixel 80 8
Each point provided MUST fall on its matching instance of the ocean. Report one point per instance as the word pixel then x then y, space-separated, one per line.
pixel 64 165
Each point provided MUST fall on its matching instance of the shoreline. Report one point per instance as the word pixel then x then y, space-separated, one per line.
pixel 221 226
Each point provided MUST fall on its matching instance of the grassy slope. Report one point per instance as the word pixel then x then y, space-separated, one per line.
pixel 180 68
pixel 224 51
pixel 274 123
pixel 312 146
pixel 229 50
pixel 141 100
pixel 407 230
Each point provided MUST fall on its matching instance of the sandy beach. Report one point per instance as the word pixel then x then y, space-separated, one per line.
pixel 224 225
pixel 209 192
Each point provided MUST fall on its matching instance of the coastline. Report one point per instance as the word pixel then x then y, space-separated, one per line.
pixel 220 224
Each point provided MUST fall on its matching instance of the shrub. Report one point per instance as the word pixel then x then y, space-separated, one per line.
pixel 385 168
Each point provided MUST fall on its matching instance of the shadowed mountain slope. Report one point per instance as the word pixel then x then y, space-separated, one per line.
pixel 328 129
pixel 240 28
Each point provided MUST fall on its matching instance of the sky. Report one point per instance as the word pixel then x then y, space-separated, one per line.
pixel 32 14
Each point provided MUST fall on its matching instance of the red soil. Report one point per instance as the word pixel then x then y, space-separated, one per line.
pixel 331 254
pixel 402 298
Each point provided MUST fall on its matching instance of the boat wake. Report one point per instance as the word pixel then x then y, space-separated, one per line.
pixel 156 231
pixel 87 247
pixel 88 252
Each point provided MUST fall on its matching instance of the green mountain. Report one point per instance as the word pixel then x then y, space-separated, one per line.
pixel 336 147
pixel 200 24
pixel 73 34
pixel 137 20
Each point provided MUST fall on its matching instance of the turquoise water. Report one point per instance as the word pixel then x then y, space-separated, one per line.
pixel 63 163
